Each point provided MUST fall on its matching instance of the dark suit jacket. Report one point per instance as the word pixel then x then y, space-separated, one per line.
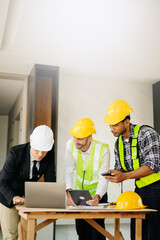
pixel 16 169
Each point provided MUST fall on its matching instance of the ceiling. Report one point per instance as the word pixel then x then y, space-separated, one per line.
pixel 108 39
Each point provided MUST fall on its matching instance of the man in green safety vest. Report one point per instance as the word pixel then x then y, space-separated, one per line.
pixel 86 158
pixel 137 156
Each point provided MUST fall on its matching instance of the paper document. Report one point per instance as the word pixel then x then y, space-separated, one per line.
pixel 100 206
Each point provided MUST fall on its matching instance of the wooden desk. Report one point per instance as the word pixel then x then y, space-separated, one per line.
pixel 30 215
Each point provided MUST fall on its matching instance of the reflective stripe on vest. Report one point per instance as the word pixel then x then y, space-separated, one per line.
pixel 88 178
pixel 144 181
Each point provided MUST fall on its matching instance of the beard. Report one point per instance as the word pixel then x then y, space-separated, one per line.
pixel 83 146
pixel 120 132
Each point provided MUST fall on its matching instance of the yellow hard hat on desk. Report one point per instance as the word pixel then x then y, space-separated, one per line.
pixel 129 200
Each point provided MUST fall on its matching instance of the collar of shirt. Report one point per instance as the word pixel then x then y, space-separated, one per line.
pixel 131 133
pixel 32 159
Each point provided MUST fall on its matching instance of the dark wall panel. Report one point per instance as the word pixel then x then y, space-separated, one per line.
pixel 156 106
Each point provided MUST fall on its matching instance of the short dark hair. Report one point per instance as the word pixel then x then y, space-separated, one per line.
pixel 127 117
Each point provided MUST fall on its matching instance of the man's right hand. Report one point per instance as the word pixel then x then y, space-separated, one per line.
pixel 70 200
pixel 18 200
pixel 116 176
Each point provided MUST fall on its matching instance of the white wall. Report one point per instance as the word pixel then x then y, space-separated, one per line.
pixel 3 138
pixel 17 134
pixel 80 98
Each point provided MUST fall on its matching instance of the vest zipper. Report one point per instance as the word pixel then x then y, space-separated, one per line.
pixel 83 179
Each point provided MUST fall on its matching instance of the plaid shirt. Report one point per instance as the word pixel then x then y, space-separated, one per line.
pixel 148 149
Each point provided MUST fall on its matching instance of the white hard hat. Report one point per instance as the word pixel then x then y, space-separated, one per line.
pixel 41 138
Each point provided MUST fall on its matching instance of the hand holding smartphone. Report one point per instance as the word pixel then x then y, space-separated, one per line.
pixel 106 174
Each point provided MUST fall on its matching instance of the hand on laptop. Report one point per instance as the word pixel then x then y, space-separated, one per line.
pixel 94 201
pixel 18 200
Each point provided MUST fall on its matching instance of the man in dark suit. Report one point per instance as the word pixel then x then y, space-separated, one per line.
pixel 26 162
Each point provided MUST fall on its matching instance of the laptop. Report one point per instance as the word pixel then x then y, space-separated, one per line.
pixel 45 195
pixel 80 196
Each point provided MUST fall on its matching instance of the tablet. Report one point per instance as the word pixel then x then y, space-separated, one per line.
pixel 80 196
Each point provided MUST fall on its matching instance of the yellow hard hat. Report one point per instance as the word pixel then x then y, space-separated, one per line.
pixel 117 111
pixel 129 200
pixel 83 128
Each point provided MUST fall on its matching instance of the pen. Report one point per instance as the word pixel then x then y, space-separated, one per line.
pixel 110 205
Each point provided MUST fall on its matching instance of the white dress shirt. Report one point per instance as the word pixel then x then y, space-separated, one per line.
pixel 71 165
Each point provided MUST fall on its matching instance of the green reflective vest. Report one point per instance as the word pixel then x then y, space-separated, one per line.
pixel 144 181
pixel 87 178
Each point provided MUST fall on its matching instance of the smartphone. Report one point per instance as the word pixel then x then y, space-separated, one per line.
pixel 106 174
